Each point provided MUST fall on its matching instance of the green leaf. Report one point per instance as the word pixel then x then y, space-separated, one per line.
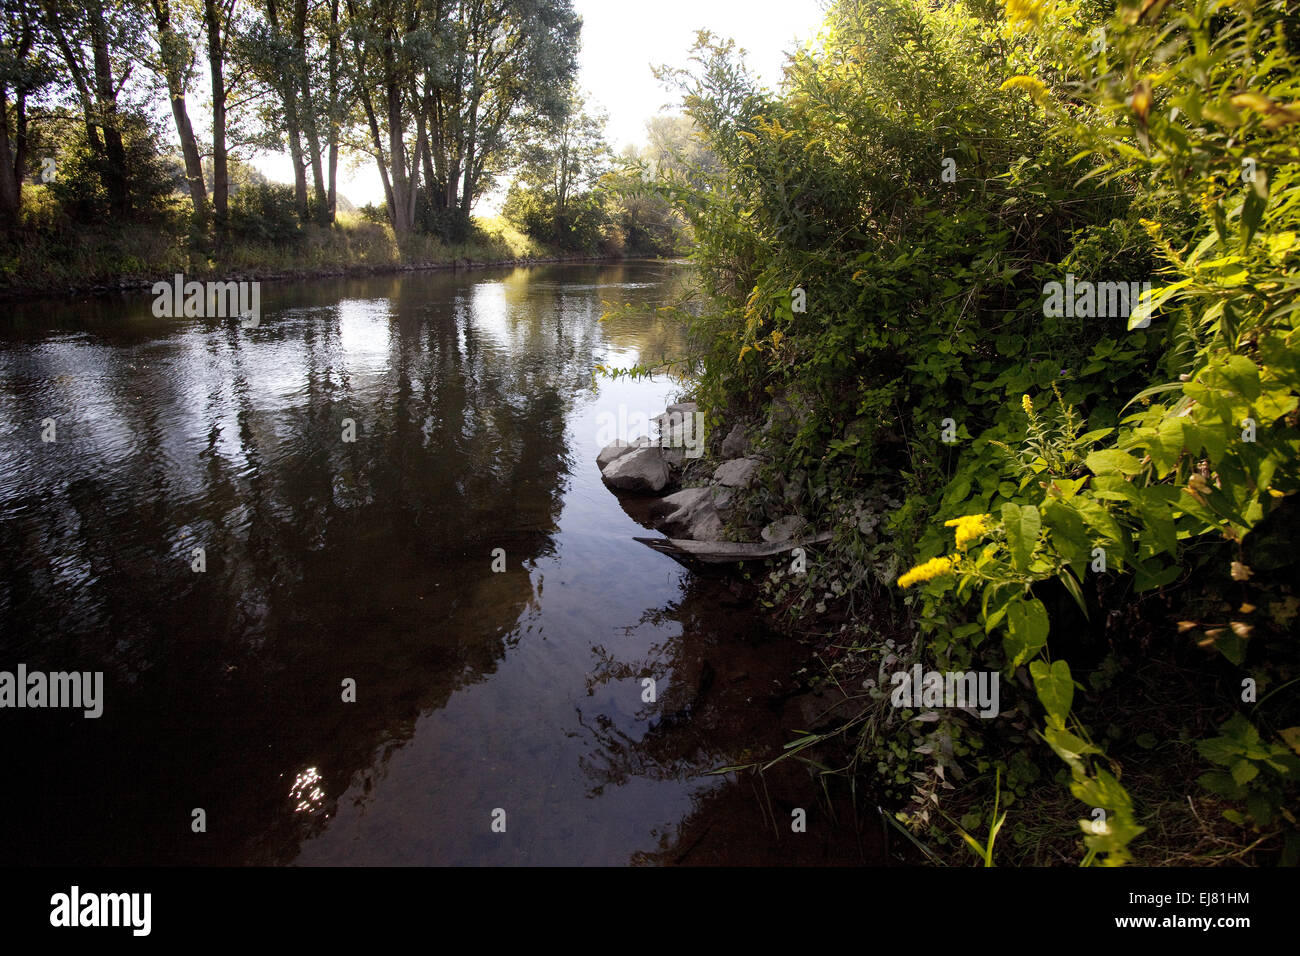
pixel 1023 526
pixel 1252 209
pixel 1219 750
pixel 1055 688
pixel 1222 784
pixel 1069 748
pixel 1069 533
pixel 1243 771
pixel 1100 520
pixel 1027 627
pixel 1111 460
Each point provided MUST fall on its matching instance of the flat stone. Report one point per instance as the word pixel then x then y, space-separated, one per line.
pixel 688 514
pixel 785 529
pixel 617 449
pixel 676 414
pixel 642 469
pixel 737 473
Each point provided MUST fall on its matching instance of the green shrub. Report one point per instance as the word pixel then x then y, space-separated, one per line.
pixel 877 247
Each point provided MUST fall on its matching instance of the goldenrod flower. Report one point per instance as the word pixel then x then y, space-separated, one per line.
pixel 1153 229
pixel 1027 404
pixel 969 527
pixel 1025 11
pixel 925 572
pixel 1028 84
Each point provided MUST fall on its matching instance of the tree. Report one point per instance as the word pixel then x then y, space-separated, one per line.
pixel 176 42
pixel 387 46
pixel 218 23
pixel 23 71
pixel 99 43
pixel 563 159
pixel 501 62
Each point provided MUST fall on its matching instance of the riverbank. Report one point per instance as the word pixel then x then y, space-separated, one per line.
pixel 50 261
pixel 821 564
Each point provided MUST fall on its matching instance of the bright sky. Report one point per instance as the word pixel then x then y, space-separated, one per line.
pixel 621 40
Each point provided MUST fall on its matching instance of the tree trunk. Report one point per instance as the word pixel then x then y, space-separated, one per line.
pixel 400 211
pixel 116 179
pixel 172 72
pixel 333 135
pixel 307 107
pixel 10 175
pixel 212 16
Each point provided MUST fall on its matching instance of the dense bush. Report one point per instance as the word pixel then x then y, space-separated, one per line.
pixel 80 174
pixel 264 212
pixel 877 250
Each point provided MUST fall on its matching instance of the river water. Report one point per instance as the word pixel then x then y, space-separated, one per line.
pixel 484 700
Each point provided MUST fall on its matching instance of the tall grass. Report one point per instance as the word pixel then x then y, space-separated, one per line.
pixel 51 254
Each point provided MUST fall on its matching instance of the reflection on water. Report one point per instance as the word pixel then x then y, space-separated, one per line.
pixel 332 564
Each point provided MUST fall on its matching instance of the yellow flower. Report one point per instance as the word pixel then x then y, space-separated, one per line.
pixel 925 572
pixel 969 527
pixel 1025 11
pixel 1028 84
pixel 1027 404
pixel 1153 229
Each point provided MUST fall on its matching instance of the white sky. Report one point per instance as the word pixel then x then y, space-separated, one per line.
pixel 621 40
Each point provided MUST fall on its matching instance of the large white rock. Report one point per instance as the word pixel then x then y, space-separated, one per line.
pixel 617 449
pixel 688 514
pixel 642 469
pixel 737 473
pixel 676 413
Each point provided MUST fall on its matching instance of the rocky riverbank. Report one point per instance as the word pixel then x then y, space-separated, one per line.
pixel 700 510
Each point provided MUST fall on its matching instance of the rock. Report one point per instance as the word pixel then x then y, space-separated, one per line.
pixel 784 417
pixel 642 469
pixel 617 449
pixel 737 473
pixel 708 527
pixel 723 497
pixel 736 442
pixel 679 428
pixel 688 514
pixel 676 413
pixel 788 528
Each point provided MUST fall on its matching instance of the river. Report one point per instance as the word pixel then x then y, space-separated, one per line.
pixel 346 678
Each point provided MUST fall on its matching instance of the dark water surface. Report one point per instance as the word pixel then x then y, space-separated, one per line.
pixel 476 429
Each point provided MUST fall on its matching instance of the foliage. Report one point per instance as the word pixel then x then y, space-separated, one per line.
pixel 877 248
pixel 265 212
